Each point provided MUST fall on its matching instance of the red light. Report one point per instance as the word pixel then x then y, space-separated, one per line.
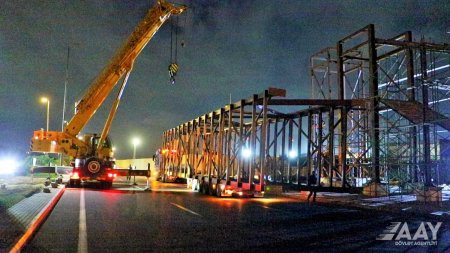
pixel 74 175
pixel 111 175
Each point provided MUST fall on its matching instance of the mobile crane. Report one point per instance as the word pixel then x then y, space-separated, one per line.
pixel 92 153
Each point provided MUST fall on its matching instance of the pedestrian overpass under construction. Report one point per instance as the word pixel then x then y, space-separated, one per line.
pixel 379 114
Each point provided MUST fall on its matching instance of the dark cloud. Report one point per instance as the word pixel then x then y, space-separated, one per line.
pixel 232 48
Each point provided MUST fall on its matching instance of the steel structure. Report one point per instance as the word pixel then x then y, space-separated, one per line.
pixel 379 113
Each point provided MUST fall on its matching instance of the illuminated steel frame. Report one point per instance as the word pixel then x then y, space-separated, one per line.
pixel 401 131
pixel 379 111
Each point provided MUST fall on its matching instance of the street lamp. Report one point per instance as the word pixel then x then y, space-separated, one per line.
pixel 136 142
pixel 46 100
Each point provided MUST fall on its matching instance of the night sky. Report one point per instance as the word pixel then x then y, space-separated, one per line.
pixel 230 47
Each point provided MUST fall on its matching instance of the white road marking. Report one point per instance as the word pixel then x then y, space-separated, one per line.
pixel 82 231
pixel 185 209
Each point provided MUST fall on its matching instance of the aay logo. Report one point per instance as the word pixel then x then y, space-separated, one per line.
pixel 400 232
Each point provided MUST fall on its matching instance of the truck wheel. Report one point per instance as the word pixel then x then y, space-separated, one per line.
pixel 93 167
pixel 218 192
pixel 200 187
pixel 211 191
pixel 204 188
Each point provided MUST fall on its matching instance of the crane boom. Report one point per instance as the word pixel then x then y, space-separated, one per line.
pixel 120 64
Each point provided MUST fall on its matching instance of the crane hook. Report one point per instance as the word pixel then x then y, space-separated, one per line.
pixel 173 69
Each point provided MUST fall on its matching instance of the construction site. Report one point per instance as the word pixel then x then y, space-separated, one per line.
pixel 377 123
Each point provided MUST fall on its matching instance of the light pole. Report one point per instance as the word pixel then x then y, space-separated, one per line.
pixel 46 100
pixel 136 141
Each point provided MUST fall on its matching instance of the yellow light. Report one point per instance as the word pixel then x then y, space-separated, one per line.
pixel 44 100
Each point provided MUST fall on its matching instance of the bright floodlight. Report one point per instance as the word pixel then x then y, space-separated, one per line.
pixel 44 100
pixel 136 141
pixel 7 166
pixel 292 154
pixel 246 152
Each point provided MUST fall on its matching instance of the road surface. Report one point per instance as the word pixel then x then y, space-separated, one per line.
pixel 90 220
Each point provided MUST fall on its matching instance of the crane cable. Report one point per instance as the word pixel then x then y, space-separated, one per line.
pixel 173 67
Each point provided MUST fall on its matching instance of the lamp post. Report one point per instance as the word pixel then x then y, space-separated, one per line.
pixel 136 141
pixel 46 100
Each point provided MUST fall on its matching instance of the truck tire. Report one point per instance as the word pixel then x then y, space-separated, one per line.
pixel 93 167
pixel 218 192
pixel 205 188
pixel 211 191
pixel 200 187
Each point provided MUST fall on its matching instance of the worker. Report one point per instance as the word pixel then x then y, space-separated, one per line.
pixel 312 183
pixel 129 173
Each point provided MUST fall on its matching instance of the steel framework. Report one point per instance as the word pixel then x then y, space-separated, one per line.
pixel 379 113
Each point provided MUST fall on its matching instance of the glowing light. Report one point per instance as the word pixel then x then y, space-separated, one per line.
pixel 136 141
pixel 292 154
pixel 74 175
pixel 8 166
pixel 416 75
pixel 246 152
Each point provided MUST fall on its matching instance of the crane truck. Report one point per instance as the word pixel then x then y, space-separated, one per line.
pixel 92 153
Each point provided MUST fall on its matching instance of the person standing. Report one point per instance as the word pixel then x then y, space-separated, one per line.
pixel 129 173
pixel 312 183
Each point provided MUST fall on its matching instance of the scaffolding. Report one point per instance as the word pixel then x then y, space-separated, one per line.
pixel 379 112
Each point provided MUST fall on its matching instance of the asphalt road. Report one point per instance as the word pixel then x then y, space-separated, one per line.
pixel 89 220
